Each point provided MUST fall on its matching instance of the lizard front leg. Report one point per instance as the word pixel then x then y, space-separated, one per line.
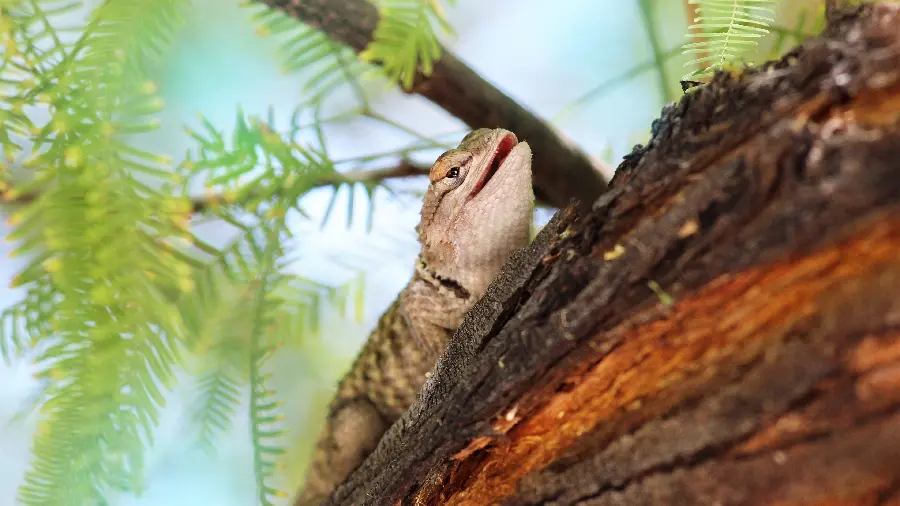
pixel 432 313
pixel 379 387
pixel 351 432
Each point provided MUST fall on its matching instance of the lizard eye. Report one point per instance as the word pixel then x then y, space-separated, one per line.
pixel 453 172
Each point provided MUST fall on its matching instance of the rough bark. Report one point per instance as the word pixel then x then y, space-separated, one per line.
pixel 767 207
pixel 562 172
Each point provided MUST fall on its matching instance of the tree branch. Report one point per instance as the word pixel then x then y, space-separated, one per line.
pixel 403 169
pixel 561 171
pixel 766 207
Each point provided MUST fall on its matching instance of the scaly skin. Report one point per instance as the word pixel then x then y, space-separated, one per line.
pixel 474 215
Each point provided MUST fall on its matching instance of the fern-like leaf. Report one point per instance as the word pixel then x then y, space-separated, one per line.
pixel 220 394
pixel 219 318
pixel 405 39
pixel 93 239
pixel 260 171
pixel 729 28
pixel 264 415
pixel 12 333
pixel 261 176
pixel 258 168
pixel 328 64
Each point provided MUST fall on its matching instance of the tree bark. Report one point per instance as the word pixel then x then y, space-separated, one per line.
pixel 562 171
pixel 722 327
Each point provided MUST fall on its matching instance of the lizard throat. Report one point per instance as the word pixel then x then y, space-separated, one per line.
pixel 435 279
pixel 497 159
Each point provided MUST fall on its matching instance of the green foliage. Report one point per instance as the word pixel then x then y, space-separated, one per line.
pixel 108 335
pixel 330 64
pixel 264 416
pixel 262 176
pixel 260 169
pixel 729 28
pixel 405 39
pixel 117 288
pixel 12 335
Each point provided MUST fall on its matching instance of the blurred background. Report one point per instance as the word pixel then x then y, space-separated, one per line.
pixel 599 71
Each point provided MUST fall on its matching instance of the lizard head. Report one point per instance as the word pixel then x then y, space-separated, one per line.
pixel 478 208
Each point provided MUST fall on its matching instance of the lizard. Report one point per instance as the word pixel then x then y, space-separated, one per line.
pixel 476 211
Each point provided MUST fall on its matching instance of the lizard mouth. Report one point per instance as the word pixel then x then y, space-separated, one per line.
pixel 500 153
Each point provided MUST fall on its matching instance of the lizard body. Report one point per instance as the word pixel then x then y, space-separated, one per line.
pixel 477 210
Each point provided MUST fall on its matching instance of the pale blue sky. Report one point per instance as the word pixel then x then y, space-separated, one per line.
pixel 543 56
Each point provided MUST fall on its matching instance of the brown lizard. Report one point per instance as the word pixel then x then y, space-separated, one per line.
pixel 477 210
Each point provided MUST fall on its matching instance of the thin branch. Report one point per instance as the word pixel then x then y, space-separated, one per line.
pixel 613 82
pixel 561 171
pixel 659 56
pixel 403 169
pixel 640 68
pixel 201 204
pixel 403 128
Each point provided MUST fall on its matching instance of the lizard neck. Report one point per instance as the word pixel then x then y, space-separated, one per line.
pixel 435 301
pixel 445 285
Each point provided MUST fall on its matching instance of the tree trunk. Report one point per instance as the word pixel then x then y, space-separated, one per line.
pixel 723 327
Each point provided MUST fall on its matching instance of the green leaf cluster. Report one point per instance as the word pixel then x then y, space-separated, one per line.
pixel 405 42
pixel 119 293
pixel 405 39
pixel 330 65
pixel 247 304
pixel 96 303
pixel 728 29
